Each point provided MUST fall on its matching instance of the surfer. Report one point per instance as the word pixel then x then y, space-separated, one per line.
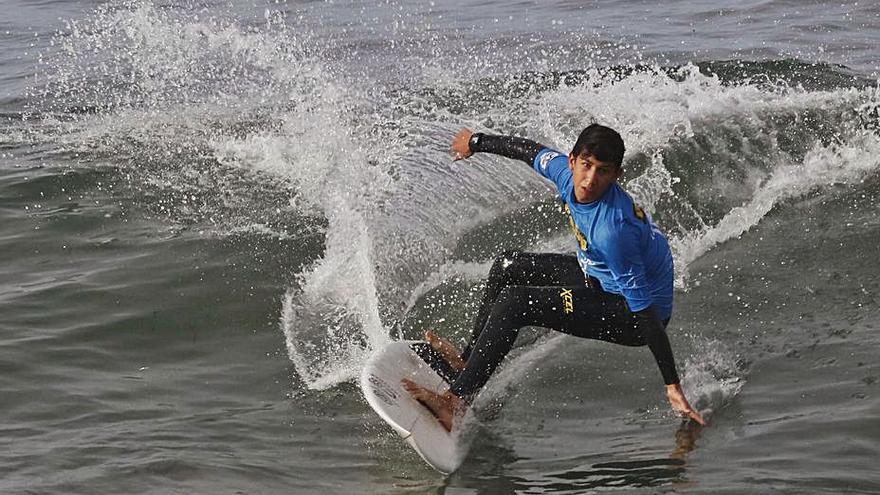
pixel 616 288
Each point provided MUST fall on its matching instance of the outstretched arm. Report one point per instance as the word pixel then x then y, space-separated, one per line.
pixel 658 342
pixel 625 262
pixel 466 143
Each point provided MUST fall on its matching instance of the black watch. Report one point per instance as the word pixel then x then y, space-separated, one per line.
pixel 474 141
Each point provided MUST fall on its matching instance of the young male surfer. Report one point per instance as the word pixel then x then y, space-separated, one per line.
pixel 617 288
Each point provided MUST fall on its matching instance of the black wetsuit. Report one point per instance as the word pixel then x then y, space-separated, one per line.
pixel 548 290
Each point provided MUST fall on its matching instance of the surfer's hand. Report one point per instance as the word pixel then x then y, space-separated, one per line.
pixel 681 405
pixel 460 148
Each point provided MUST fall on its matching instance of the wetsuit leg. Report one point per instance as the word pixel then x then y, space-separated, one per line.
pixel 526 269
pixel 576 310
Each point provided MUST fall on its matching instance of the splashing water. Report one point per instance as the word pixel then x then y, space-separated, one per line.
pixel 193 101
pixel 712 379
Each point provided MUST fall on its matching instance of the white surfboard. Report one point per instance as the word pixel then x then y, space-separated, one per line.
pixel 381 385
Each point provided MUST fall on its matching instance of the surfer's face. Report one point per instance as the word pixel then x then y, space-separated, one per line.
pixel 591 177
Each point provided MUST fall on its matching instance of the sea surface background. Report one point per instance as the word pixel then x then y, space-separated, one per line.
pixel 210 213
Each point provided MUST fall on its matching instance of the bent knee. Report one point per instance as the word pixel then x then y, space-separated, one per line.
pixel 507 258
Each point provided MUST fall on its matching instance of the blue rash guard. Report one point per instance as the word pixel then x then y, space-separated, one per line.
pixel 618 243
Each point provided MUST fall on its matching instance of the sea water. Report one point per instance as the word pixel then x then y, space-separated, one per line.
pixel 211 212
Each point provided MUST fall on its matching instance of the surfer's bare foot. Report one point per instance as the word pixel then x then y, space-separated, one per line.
pixel 445 348
pixel 444 406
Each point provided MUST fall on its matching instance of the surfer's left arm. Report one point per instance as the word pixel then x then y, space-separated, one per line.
pixel 625 263
pixel 655 335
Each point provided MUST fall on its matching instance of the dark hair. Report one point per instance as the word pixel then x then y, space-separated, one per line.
pixel 603 143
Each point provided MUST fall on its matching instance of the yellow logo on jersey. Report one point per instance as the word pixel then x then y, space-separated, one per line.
pixel 640 213
pixel 582 241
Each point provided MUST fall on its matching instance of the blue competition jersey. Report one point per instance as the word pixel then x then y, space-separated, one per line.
pixel 618 243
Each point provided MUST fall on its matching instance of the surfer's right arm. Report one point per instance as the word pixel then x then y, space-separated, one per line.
pixel 467 142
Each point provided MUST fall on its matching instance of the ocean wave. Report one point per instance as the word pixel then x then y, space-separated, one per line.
pixel 251 129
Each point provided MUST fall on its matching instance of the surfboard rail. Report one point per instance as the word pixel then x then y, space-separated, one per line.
pixel 381 385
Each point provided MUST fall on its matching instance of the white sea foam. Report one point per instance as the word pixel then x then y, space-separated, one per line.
pixel 823 166
pixel 650 108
